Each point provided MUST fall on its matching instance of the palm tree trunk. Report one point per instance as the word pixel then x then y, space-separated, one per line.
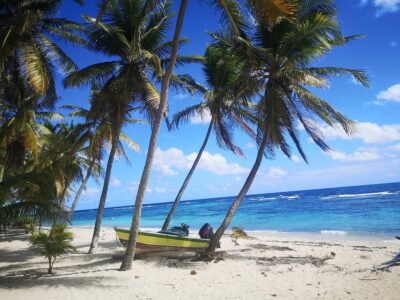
pixel 1 172
pixel 187 179
pixel 103 197
pixel 2 100
pixel 130 250
pixel 82 187
pixel 214 242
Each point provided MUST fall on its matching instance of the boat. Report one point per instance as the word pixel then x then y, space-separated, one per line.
pixel 158 242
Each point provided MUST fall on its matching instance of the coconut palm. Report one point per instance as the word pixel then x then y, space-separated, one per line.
pixel 100 135
pixel 133 34
pixel 233 17
pixel 27 29
pixel 22 130
pixel 288 51
pixel 29 197
pixel 226 101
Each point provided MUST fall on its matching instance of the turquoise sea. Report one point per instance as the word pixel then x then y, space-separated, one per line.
pixel 367 209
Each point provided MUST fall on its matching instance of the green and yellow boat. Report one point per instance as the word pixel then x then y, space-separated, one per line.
pixel 158 242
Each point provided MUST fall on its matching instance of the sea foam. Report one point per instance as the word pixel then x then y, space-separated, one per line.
pixel 333 232
pixel 362 195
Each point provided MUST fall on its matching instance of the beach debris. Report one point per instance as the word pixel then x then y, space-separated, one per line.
pixel 264 274
pixel 302 260
pixel 333 253
pixel 237 233
pixel 193 272
pixel 272 247
pixel 137 276
pixel 209 256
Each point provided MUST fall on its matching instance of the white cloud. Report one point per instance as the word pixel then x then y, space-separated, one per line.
pixel 238 178
pixel 250 145
pixel 115 182
pixel 204 118
pixel 369 133
pixel 383 6
pixel 393 44
pixel 91 191
pixel 133 186
pixel 395 147
pixel 168 163
pixel 361 154
pixel 391 94
pixel 160 190
pixel 275 172
pixel 295 158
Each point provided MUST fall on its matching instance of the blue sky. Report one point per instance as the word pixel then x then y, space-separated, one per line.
pixel 370 155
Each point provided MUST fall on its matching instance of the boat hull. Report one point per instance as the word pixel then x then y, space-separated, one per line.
pixel 156 242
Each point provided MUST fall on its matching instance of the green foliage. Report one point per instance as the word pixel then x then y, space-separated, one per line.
pixel 54 244
pixel 227 97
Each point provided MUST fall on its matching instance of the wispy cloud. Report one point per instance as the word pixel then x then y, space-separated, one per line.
pixel 115 182
pixel 250 145
pixel 276 172
pixel 361 154
pixel 133 187
pixel 383 6
pixel 295 158
pixel 204 118
pixel 168 162
pixel 90 191
pixel 369 133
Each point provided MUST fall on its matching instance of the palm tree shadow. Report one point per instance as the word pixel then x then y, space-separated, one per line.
pixel 63 275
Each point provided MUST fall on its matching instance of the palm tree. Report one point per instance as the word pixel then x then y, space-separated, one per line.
pixel 289 49
pixel 100 134
pixel 26 31
pixel 54 244
pixel 231 14
pixel 226 101
pixel 22 130
pixel 30 196
pixel 134 32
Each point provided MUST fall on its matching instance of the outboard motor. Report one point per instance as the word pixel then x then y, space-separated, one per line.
pixel 182 230
pixel 206 231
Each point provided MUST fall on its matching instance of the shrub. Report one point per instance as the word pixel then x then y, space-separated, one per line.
pixel 54 244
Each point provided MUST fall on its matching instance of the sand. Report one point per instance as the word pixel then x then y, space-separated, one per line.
pixel 270 266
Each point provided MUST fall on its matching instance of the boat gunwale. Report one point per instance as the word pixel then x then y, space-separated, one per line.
pixel 163 235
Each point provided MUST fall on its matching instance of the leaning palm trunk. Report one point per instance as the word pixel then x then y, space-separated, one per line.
pixel 103 197
pixel 130 250
pixel 214 242
pixel 187 179
pixel 82 187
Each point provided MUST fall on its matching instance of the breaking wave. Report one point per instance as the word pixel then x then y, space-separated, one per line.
pixel 362 195
pixel 333 232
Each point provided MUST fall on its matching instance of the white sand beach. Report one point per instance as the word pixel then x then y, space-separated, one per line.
pixel 270 266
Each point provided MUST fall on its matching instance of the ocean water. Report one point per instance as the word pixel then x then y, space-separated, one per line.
pixel 368 209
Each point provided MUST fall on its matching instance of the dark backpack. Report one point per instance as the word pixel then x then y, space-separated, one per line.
pixel 206 231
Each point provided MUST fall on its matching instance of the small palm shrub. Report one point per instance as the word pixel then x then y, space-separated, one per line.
pixel 54 244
